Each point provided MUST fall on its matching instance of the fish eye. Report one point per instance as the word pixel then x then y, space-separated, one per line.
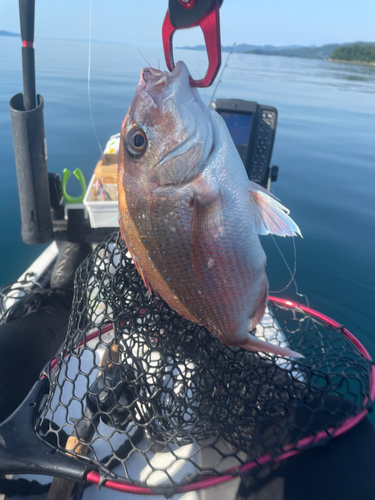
pixel 136 142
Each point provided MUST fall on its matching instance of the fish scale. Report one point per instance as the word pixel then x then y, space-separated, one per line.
pixel 227 281
pixel 173 221
pixel 188 213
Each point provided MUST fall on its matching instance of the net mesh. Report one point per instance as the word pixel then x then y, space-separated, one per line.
pixel 155 400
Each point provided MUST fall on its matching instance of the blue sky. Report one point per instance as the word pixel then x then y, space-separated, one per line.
pixel 276 22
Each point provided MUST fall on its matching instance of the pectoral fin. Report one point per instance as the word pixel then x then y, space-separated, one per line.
pixel 206 232
pixel 208 217
pixel 270 216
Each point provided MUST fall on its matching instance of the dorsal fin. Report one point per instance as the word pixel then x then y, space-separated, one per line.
pixel 269 215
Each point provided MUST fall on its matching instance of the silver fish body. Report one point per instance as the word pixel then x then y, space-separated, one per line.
pixel 188 213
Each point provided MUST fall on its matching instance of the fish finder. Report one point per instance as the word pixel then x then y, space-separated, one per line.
pixel 253 128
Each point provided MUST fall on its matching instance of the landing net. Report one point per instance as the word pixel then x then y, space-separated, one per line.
pixel 158 404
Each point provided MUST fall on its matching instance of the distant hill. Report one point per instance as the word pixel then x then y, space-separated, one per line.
pixel 355 53
pixel 311 52
pixel 323 52
pixel 8 33
pixel 243 47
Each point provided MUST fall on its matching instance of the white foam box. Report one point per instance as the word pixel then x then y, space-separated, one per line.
pixel 103 213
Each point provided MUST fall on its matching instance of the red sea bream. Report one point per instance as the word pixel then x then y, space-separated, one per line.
pixel 189 215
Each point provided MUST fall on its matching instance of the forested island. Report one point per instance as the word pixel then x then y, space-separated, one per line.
pixel 355 53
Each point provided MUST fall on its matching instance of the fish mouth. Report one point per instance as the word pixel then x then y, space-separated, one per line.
pixel 151 75
pixel 154 82
pixel 161 84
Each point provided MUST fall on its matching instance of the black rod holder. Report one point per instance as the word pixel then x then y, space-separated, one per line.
pixel 30 143
pixel 31 167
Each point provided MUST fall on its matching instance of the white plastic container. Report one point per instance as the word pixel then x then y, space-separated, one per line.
pixel 101 213
pixel 104 213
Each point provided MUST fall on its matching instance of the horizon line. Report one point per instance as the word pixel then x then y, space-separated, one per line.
pixel 96 40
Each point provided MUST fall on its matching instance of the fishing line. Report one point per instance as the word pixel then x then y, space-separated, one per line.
pixel 310 318
pixel 292 279
pixel 89 86
pixel 146 59
pixel 285 262
pixel 291 273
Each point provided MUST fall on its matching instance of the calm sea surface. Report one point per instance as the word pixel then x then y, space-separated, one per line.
pixel 325 148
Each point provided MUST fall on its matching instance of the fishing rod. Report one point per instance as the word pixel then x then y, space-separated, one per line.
pixel 27 14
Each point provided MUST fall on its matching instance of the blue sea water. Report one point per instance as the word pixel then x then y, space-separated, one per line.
pixel 325 148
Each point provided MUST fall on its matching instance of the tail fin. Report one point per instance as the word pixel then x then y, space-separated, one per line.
pixel 251 343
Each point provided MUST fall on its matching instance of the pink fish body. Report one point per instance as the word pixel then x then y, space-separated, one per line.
pixel 189 215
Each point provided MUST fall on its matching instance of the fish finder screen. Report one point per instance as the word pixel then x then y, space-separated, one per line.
pixel 239 126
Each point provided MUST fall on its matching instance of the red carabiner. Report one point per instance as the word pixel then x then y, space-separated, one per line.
pixel 210 25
